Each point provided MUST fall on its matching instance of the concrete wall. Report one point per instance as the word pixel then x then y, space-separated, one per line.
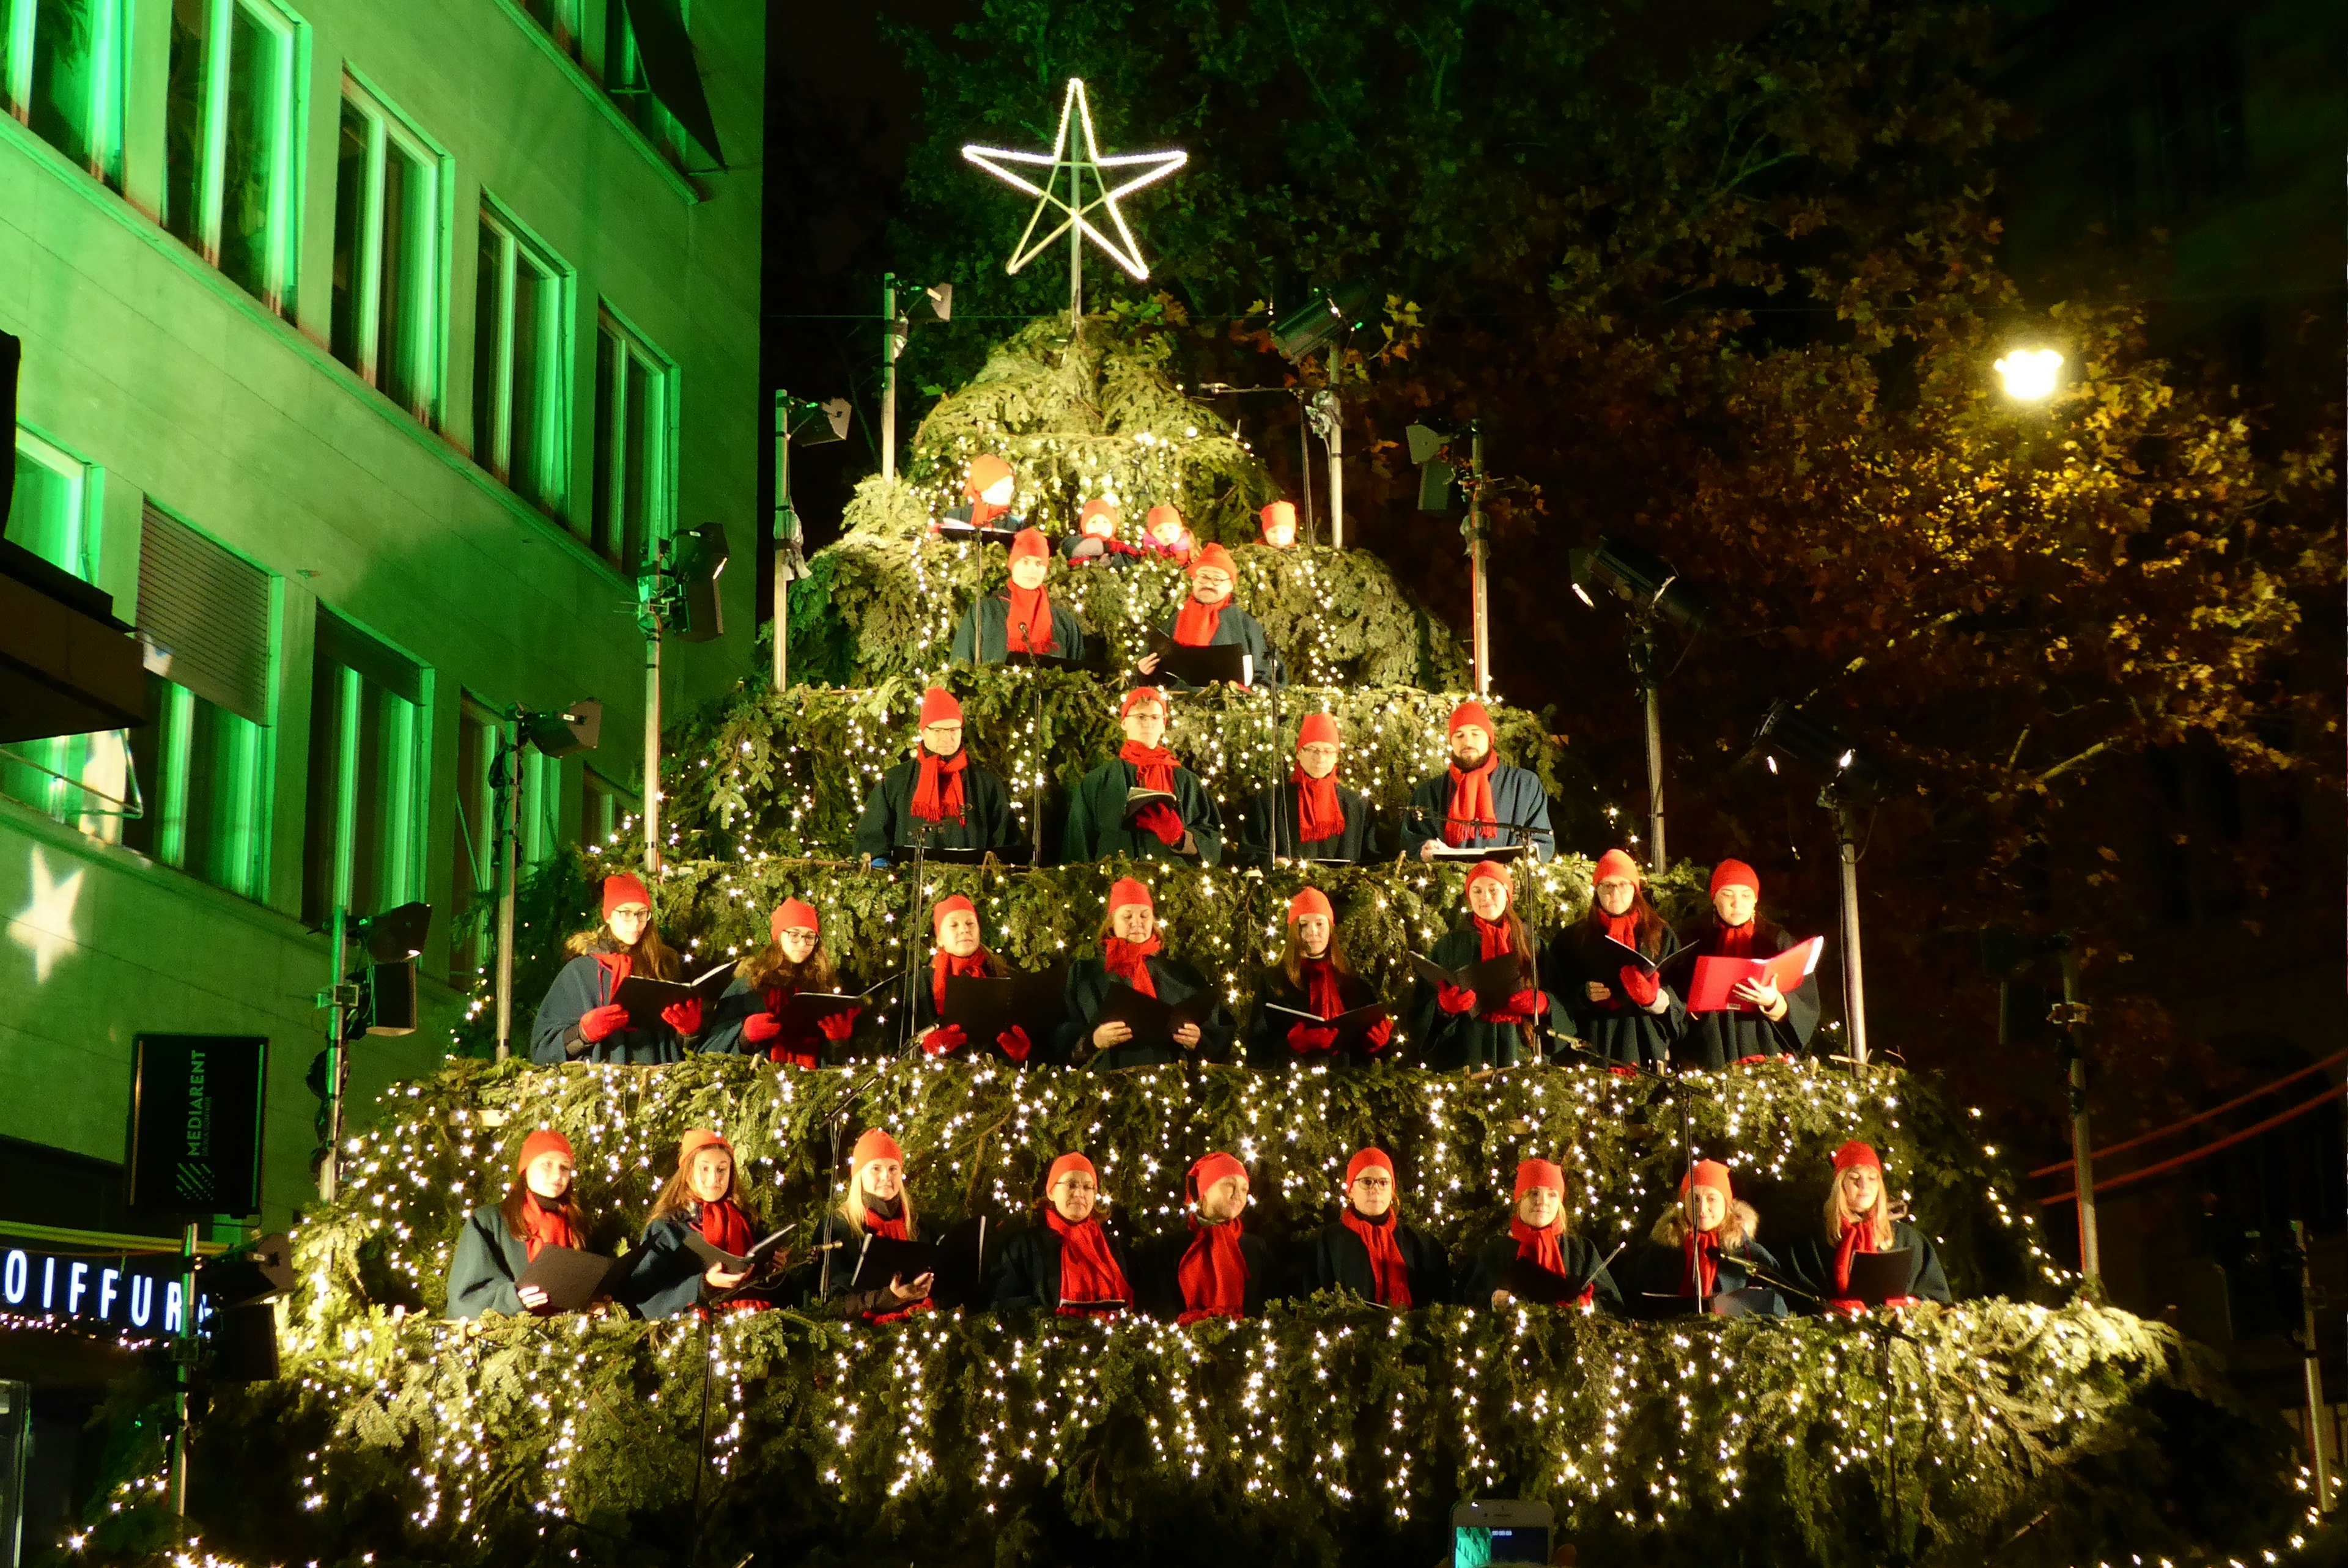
pixel 143 360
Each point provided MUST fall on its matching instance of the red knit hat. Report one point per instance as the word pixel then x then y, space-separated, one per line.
pixel 1320 729
pixel 1857 1153
pixel 1469 713
pixel 1219 558
pixel 545 1141
pixel 623 888
pixel 1103 509
pixel 1161 514
pixel 1734 873
pixel 986 471
pixel 1279 514
pixel 1309 901
pixel 1211 1169
pixel 695 1140
pixel 1127 890
pixel 939 707
pixel 1709 1173
pixel 1615 864
pixel 953 904
pixel 1539 1174
pixel 873 1145
pixel 1369 1158
pixel 1030 541
pixel 1140 694
pixel 1065 1164
pixel 793 913
pixel 1488 871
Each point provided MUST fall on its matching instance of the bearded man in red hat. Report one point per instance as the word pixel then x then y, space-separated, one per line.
pixel 1478 801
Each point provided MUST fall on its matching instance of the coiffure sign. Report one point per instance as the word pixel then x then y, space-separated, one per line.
pixel 139 1295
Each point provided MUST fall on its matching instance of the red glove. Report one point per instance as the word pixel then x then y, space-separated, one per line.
pixel 1639 986
pixel 1379 1033
pixel 838 1026
pixel 1304 1038
pixel 1161 819
pixel 946 1036
pixel 1451 999
pixel 1528 1004
pixel 761 1026
pixel 1014 1043
pixel 683 1017
pixel 601 1023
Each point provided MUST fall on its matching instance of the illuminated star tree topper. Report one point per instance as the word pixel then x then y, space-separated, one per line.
pixel 1078 206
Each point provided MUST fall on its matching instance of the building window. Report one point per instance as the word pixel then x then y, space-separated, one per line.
pixel 561 20
pixel 635 400
pixel 361 847
pixel 625 80
pixel 521 381
pixel 84 780
pixel 604 808
pixel 202 761
pixel 61 69
pixel 387 252
pixel 229 134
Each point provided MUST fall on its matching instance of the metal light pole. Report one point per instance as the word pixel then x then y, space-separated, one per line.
pixel 1854 974
pixel 184 1351
pixel 1643 667
pixel 2311 1364
pixel 652 627
pixel 338 998
pixel 891 341
pixel 2071 1015
pixel 1479 597
pixel 1327 418
pixel 787 520
pixel 507 781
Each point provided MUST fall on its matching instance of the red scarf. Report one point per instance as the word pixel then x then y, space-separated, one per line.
pixel 1733 941
pixel 724 1225
pixel 939 795
pixel 1321 987
pixel 1700 1263
pixel 546 1227
pixel 1088 1270
pixel 1129 961
pixel 1388 1270
pixel 1195 626
pixel 1153 768
pixel 943 964
pixel 892 1227
pixel 1027 626
pixel 1320 812
pixel 1492 938
pixel 1471 803
pixel 1546 1247
pixel 1857 1236
pixel 616 967
pixel 803 1051
pixel 1214 1273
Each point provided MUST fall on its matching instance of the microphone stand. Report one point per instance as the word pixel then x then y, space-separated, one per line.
pixel 1276 801
pixel 921 832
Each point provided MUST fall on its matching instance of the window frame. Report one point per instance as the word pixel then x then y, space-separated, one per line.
pixel 290 34
pixel 109 53
pixel 389 129
pixel 661 443
pixel 88 482
pixel 518 247
pixel 403 834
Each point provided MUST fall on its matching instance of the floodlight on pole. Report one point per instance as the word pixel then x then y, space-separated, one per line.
pixel 1852 780
pixel 395 936
pixel 1653 591
pixel 556 734
pixel 896 326
pixel 804 422
pixel 676 591
pixel 2029 375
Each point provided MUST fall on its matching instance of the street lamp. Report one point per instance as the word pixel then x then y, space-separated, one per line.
pixel 1439 479
pixel 2029 374
pixel 1653 589
pixel 1316 325
pixel 807 424
pixel 1852 780
pixel 676 592
pixel 895 327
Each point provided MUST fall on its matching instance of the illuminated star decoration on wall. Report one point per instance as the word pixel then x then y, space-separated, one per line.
pixel 45 925
pixel 1077 206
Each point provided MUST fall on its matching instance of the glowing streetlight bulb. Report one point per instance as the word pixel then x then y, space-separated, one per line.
pixel 2029 372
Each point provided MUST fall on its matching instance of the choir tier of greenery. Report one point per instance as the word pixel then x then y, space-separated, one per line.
pixel 2023 1431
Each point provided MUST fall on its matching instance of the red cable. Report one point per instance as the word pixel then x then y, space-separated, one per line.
pixel 2331 1061
pixel 2203 1152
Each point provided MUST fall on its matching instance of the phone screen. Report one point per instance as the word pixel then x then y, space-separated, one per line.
pixel 1475 1545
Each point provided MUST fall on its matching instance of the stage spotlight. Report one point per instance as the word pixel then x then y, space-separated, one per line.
pixel 701 558
pixel 1643 578
pixel 940 298
pixel 396 934
pixel 574 730
pixel 1316 323
pixel 2029 375
pixel 1786 732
